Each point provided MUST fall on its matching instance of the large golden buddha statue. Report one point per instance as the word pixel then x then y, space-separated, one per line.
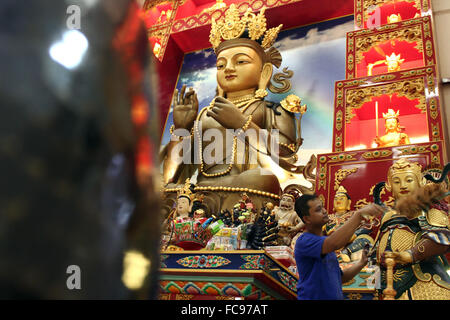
pixel 230 144
pixel 418 237
pixel 394 135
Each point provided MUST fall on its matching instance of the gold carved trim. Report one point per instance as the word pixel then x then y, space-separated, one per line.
pixel 341 174
pixel 414 150
pixel 338 142
pixel 341 157
pixel 361 203
pixel 339 118
pixel 411 73
pixel 322 177
pixel 433 108
pixel 204 18
pixel 377 154
pixel 408 33
pixel 435 134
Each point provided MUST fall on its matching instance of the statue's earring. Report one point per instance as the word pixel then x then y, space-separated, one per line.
pixel 264 81
pixel 261 93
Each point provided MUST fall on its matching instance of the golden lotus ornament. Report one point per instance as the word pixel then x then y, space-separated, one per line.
pixel 292 103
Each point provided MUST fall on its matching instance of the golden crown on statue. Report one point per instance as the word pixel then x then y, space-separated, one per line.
pixel 234 26
pixel 395 57
pixel 391 114
pixel 186 191
pixel 341 190
pixel 404 165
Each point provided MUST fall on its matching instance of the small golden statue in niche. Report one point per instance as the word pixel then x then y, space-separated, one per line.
pixel 393 63
pixel 393 18
pixel 393 136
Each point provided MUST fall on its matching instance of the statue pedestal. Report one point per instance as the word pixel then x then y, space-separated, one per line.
pixel 247 274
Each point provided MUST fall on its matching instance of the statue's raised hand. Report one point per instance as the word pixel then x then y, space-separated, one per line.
pixel 185 108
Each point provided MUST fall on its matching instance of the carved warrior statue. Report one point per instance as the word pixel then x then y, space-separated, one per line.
pixel 415 234
pixel 249 159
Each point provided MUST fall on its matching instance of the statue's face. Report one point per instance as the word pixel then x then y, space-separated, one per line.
pixel 238 68
pixel 403 183
pixel 391 125
pixel 183 206
pixel 393 65
pixel 287 203
pixel 341 202
pixel 393 18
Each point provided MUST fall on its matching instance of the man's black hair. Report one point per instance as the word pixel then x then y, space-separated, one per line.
pixel 301 205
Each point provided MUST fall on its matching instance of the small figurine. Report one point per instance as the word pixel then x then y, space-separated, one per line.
pixel 183 210
pixel 185 200
pixel 342 204
pixel 393 63
pixel 393 136
pixel 288 220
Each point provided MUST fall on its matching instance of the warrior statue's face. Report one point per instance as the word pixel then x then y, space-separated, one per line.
pixel 403 183
pixel 183 206
pixel 341 202
pixel 238 68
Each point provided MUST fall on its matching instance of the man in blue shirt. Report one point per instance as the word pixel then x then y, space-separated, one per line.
pixel 320 277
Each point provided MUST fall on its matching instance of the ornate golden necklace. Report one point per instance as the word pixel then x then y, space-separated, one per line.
pixel 241 99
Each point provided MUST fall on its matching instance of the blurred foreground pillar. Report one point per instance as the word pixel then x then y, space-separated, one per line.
pixel 77 140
